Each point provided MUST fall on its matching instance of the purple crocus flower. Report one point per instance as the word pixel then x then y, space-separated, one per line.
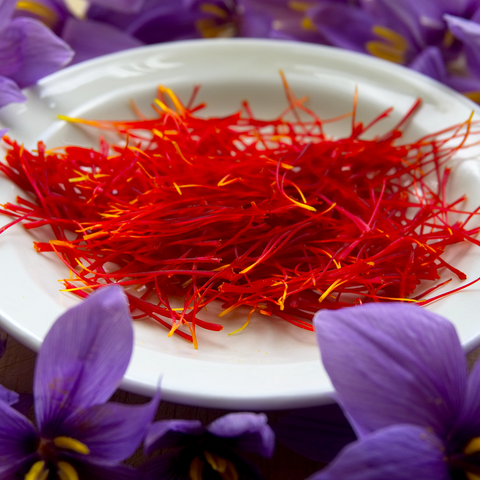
pixel 290 20
pixel 28 51
pixel 79 366
pixel 400 375
pixel 433 37
pixel 198 452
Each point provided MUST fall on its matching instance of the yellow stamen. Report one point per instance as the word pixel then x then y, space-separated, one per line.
pixel 60 243
pixel 196 467
pixel 224 467
pixel 281 300
pixel 85 287
pixel 68 443
pixel 245 324
pixel 228 310
pixel 224 181
pixel 37 472
pixel 392 45
pixel 177 188
pixel 307 24
pixel 302 205
pixel 177 148
pixel 448 39
pixel 473 446
pixel 66 471
pixel 336 283
pixel 472 476
pixel 214 10
pixel 47 16
pixel 178 105
pixel 164 107
pixel 209 29
pixel 474 96
pixel 174 327
pixel 300 6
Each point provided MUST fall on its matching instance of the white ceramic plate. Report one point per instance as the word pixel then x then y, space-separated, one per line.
pixel 271 364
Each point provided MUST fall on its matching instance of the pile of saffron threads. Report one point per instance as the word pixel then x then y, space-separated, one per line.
pixel 270 215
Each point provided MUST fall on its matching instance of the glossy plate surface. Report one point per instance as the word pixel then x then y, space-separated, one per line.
pixel 271 364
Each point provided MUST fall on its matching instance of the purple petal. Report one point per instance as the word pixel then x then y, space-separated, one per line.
pixel 157 22
pixel 9 93
pixel 250 431
pixel 168 466
pixel 8 396
pixel 7 7
pixel 3 131
pixel 400 452
pixel 24 404
pixel 430 62
pixel 125 6
pixel 469 423
pixel 172 434
pixel 83 357
pixel 18 438
pixel 318 433
pixel 30 51
pixel 255 25
pixel 331 19
pixel 52 13
pixel 113 431
pixel 83 36
pixel 468 33
pixel 175 466
pixel 93 471
pixel 393 363
pixel 464 84
pixel 419 22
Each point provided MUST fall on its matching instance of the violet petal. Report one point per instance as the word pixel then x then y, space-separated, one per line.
pixel 94 471
pixel 83 36
pixel 400 452
pixel 83 357
pixel 463 84
pixel 469 33
pixel 430 62
pixel 9 93
pixel 469 423
pixel 168 466
pixel 393 363
pixel 7 7
pixel 250 431
pixel 125 6
pixel 18 437
pixel 112 431
pixel 330 20
pixel 29 51
pixel 318 433
pixel 255 25
pixel 172 434
pixel 8 396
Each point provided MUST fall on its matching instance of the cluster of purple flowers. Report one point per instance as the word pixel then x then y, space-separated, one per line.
pixel 399 372
pixel 79 435
pixel 439 38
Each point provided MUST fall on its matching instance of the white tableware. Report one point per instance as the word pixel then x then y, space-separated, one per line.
pixel 271 364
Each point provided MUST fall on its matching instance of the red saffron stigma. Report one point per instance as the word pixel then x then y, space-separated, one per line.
pixel 273 215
